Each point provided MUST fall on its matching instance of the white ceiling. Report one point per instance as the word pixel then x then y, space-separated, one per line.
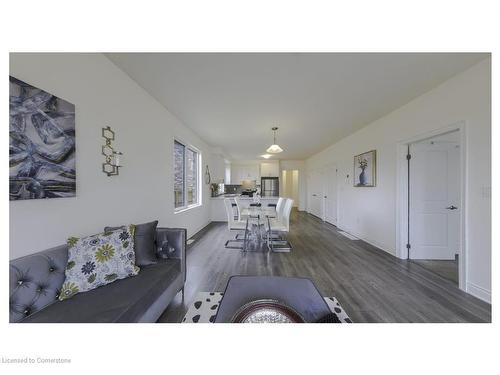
pixel 232 100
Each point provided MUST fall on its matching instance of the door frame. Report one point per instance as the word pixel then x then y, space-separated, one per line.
pixel 402 196
pixel 321 172
pixel 318 171
pixel 323 199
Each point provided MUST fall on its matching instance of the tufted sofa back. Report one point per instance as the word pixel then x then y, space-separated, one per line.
pixel 35 281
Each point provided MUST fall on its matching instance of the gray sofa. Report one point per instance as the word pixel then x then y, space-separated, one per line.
pixel 35 281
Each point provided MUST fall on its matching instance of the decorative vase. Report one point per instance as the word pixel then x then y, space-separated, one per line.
pixel 362 177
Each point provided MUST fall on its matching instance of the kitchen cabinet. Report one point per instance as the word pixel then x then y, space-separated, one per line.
pixel 269 169
pixel 217 168
pixel 218 209
pixel 244 172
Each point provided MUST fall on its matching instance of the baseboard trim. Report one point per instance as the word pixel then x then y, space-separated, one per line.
pixel 367 240
pixel 200 229
pixel 479 292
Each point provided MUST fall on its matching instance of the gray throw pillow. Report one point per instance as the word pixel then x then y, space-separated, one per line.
pixel 144 242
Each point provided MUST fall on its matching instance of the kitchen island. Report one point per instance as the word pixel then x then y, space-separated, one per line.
pixel 219 210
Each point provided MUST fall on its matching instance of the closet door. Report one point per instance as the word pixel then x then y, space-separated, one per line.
pixel 330 194
pixel 315 192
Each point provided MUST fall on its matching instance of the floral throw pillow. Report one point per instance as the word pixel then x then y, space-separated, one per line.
pixel 99 260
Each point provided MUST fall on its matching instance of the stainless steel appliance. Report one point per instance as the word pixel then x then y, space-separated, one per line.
pixel 249 192
pixel 270 187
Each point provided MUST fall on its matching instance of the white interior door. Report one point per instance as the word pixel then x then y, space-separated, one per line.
pixel 434 200
pixel 330 194
pixel 315 194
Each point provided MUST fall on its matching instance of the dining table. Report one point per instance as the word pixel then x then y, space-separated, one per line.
pixel 256 218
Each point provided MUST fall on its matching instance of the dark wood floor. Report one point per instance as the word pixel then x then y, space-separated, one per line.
pixel 370 284
pixel 445 268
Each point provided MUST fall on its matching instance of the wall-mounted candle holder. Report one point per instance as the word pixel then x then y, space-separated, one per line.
pixel 112 164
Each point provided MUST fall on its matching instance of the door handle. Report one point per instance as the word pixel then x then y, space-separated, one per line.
pixel 452 208
pixel 314 195
pixel 325 196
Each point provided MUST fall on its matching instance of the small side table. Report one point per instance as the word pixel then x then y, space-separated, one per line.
pixel 298 293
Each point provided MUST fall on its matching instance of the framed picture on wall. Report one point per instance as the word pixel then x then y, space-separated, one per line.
pixel 365 169
pixel 42 144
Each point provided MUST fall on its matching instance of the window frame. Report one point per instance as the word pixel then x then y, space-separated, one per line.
pixel 199 189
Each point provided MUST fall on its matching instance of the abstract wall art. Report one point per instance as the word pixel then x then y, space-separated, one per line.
pixel 365 169
pixel 42 144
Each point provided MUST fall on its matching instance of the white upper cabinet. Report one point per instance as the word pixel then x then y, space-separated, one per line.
pixel 269 169
pixel 240 172
pixel 244 172
pixel 216 168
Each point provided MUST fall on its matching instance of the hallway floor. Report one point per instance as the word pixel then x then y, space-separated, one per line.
pixel 371 285
pixel 445 268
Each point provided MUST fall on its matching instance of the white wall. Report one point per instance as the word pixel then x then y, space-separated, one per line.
pixel 370 213
pixel 104 95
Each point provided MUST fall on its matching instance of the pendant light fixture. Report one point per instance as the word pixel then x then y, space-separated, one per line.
pixel 274 148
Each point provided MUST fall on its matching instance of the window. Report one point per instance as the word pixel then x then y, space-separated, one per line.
pixel 186 176
pixel 191 176
pixel 179 174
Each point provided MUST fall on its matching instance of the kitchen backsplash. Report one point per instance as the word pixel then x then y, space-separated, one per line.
pixel 232 189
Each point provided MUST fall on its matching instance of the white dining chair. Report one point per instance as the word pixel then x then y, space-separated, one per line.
pixel 280 226
pixel 279 207
pixel 240 207
pixel 235 225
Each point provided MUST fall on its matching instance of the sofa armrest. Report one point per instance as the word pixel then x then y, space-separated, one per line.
pixel 177 238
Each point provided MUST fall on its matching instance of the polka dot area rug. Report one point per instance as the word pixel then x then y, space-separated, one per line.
pixel 206 304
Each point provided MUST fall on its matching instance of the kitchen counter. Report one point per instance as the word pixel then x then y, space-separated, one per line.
pixel 242 197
